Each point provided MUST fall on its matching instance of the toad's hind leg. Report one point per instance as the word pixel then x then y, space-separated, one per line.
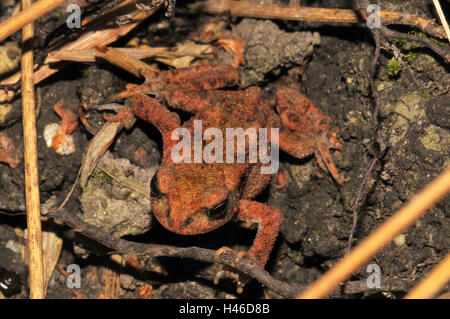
pixel 200 78
pixel 204 77
pixel 190 89
pixel 307 130
pixel 187 100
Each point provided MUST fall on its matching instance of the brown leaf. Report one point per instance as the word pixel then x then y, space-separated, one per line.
pixel 191 50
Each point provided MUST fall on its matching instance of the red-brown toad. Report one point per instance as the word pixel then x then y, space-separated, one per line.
pixel 198 197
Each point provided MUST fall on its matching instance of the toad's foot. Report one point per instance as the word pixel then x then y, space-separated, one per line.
pixel 237 276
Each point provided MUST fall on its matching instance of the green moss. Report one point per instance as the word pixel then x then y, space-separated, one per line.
pixel 394 67
pixel 98 174
pixel 400 42
pixel 420 34
pixel 437 41
pixel 410 56
pixel 423 35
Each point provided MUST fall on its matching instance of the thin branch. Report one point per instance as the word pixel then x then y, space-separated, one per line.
pixel 246 265
pixel 355 204
pixel 442 51
pixel 309 14
pixel 26 16
pixel 387 284
pixel 376 136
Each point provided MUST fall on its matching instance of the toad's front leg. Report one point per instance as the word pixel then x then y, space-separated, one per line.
pixel 269 220
pixel 151 111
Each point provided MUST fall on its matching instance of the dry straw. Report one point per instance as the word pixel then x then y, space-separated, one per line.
pixel 27 15
pixel 434 282
pixel 34 239
pixel 442 18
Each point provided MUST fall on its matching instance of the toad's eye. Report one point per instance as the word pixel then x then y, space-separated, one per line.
pixel 154 189
pixel 219 211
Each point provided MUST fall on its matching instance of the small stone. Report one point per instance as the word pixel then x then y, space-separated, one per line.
pixel 400 240
pixel 62 143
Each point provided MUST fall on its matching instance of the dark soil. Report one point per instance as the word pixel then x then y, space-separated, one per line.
pixel 415 112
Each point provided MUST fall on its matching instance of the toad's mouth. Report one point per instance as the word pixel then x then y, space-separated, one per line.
pixel 192 225
pixel 195 224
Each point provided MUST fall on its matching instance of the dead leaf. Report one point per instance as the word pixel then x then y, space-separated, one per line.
pixel 97 147
pixel 51 250
pixel 215 29
pixel 191 50
pixel 237 46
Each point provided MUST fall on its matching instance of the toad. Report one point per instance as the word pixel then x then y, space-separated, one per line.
pixel 197 196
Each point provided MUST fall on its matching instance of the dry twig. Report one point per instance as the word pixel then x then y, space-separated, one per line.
pixel 34 239
pixel 97 33
pixel 90 55
pixel 379 147
pixel 246 265
pixel 122 60
pixel 441 15
pixel 307 14
pixel 442 51
pixel 26 16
